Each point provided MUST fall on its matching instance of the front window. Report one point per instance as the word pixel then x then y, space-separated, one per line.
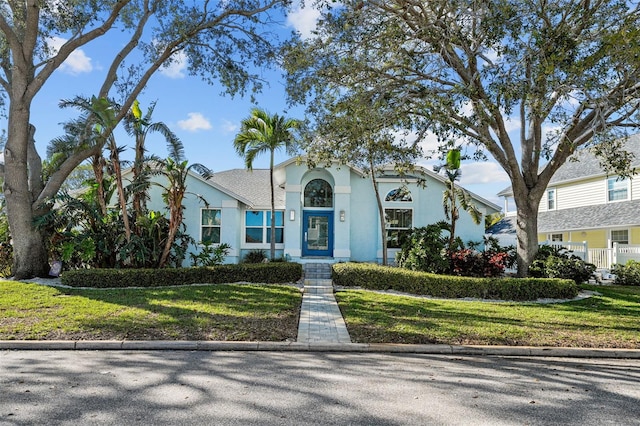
pixel 258 227
pixel 551 199
pixel 620 236
pixel 399 223
pixel 318 193
pixel 556 237
pixel 617 189
pixel 210 220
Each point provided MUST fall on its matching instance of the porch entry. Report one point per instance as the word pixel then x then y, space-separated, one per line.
pixel 317 233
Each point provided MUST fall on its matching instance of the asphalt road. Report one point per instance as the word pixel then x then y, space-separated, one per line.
pixel 312 388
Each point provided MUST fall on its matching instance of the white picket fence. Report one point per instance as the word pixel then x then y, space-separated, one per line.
pixel 603 258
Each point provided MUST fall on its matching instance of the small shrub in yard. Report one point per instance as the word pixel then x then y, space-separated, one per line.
pixel 254 256
pixel 376 277
pixel 271 273
pixel 210 255
pixel 424 249
pixel 627 274
pixel 472 263
pixel 554 262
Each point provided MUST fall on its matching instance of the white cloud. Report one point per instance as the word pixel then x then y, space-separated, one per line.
pixel 229 126
pixel 304 20
pixel 483 172
pixel 76 63
pixel 175 68
pixel 195 122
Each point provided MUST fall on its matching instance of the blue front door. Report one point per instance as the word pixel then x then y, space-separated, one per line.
pixel 317 233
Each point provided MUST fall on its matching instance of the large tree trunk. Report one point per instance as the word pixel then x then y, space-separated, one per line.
pixel 21 188
pixel 527 233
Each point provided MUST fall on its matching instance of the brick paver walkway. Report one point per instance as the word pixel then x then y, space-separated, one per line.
pixel 320 317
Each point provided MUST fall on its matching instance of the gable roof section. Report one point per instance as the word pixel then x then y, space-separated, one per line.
pixel 249 186
pixel 587 165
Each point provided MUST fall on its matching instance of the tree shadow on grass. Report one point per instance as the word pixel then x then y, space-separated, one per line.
pixel 375 318
pixel 214 312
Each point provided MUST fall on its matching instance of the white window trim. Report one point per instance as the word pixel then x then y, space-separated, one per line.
pixel 626 180
pixel 555 198
pixel 264 227
pixel 210 226
pixel 619 229
pixel 550 237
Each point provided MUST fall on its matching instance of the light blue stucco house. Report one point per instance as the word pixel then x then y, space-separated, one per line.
pixel 323 214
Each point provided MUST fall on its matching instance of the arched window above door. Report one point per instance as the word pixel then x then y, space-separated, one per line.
pixel 318 193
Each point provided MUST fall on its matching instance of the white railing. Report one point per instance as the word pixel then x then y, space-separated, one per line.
pixel 603 258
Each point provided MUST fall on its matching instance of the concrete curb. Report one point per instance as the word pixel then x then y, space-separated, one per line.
pixel 193 345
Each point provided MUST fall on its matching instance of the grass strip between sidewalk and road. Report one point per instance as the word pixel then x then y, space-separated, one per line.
pixel 609 320
pixel 234 312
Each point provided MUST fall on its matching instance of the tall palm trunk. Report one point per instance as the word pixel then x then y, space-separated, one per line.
pixel 117 171
pixel 273 209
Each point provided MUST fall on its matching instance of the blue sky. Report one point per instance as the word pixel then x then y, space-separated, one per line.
pixel 205 121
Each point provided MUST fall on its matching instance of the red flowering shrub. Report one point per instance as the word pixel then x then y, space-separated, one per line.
pixel 471 263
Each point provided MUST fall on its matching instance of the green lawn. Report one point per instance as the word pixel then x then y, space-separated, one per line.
pixel 606 321
pixel 270 313
pixel 212 312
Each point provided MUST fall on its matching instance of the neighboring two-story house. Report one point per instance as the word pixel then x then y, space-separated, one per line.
pixel 583 203
pixel 323 214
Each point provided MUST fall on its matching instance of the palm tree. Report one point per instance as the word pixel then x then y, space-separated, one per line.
pixel 176 170
pixel 453 193
pixel 260 133
pixel 139 127
pixel 99 114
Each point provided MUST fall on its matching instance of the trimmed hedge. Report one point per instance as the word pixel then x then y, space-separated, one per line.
pixel 376 277
pixel 271 273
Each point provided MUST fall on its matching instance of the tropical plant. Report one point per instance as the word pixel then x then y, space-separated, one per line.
pixel 98 115
pixel 139 127
pixel 425 249
pixel 210 254
pixel 627 274
pixel 454 194
pixel 262 133
pixel 254 256
pixel 558 262
pixel 176 171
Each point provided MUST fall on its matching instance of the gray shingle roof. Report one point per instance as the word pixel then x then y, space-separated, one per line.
pixel 587 164
pixel 625 213
pixel 621 214
pixel 251 185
